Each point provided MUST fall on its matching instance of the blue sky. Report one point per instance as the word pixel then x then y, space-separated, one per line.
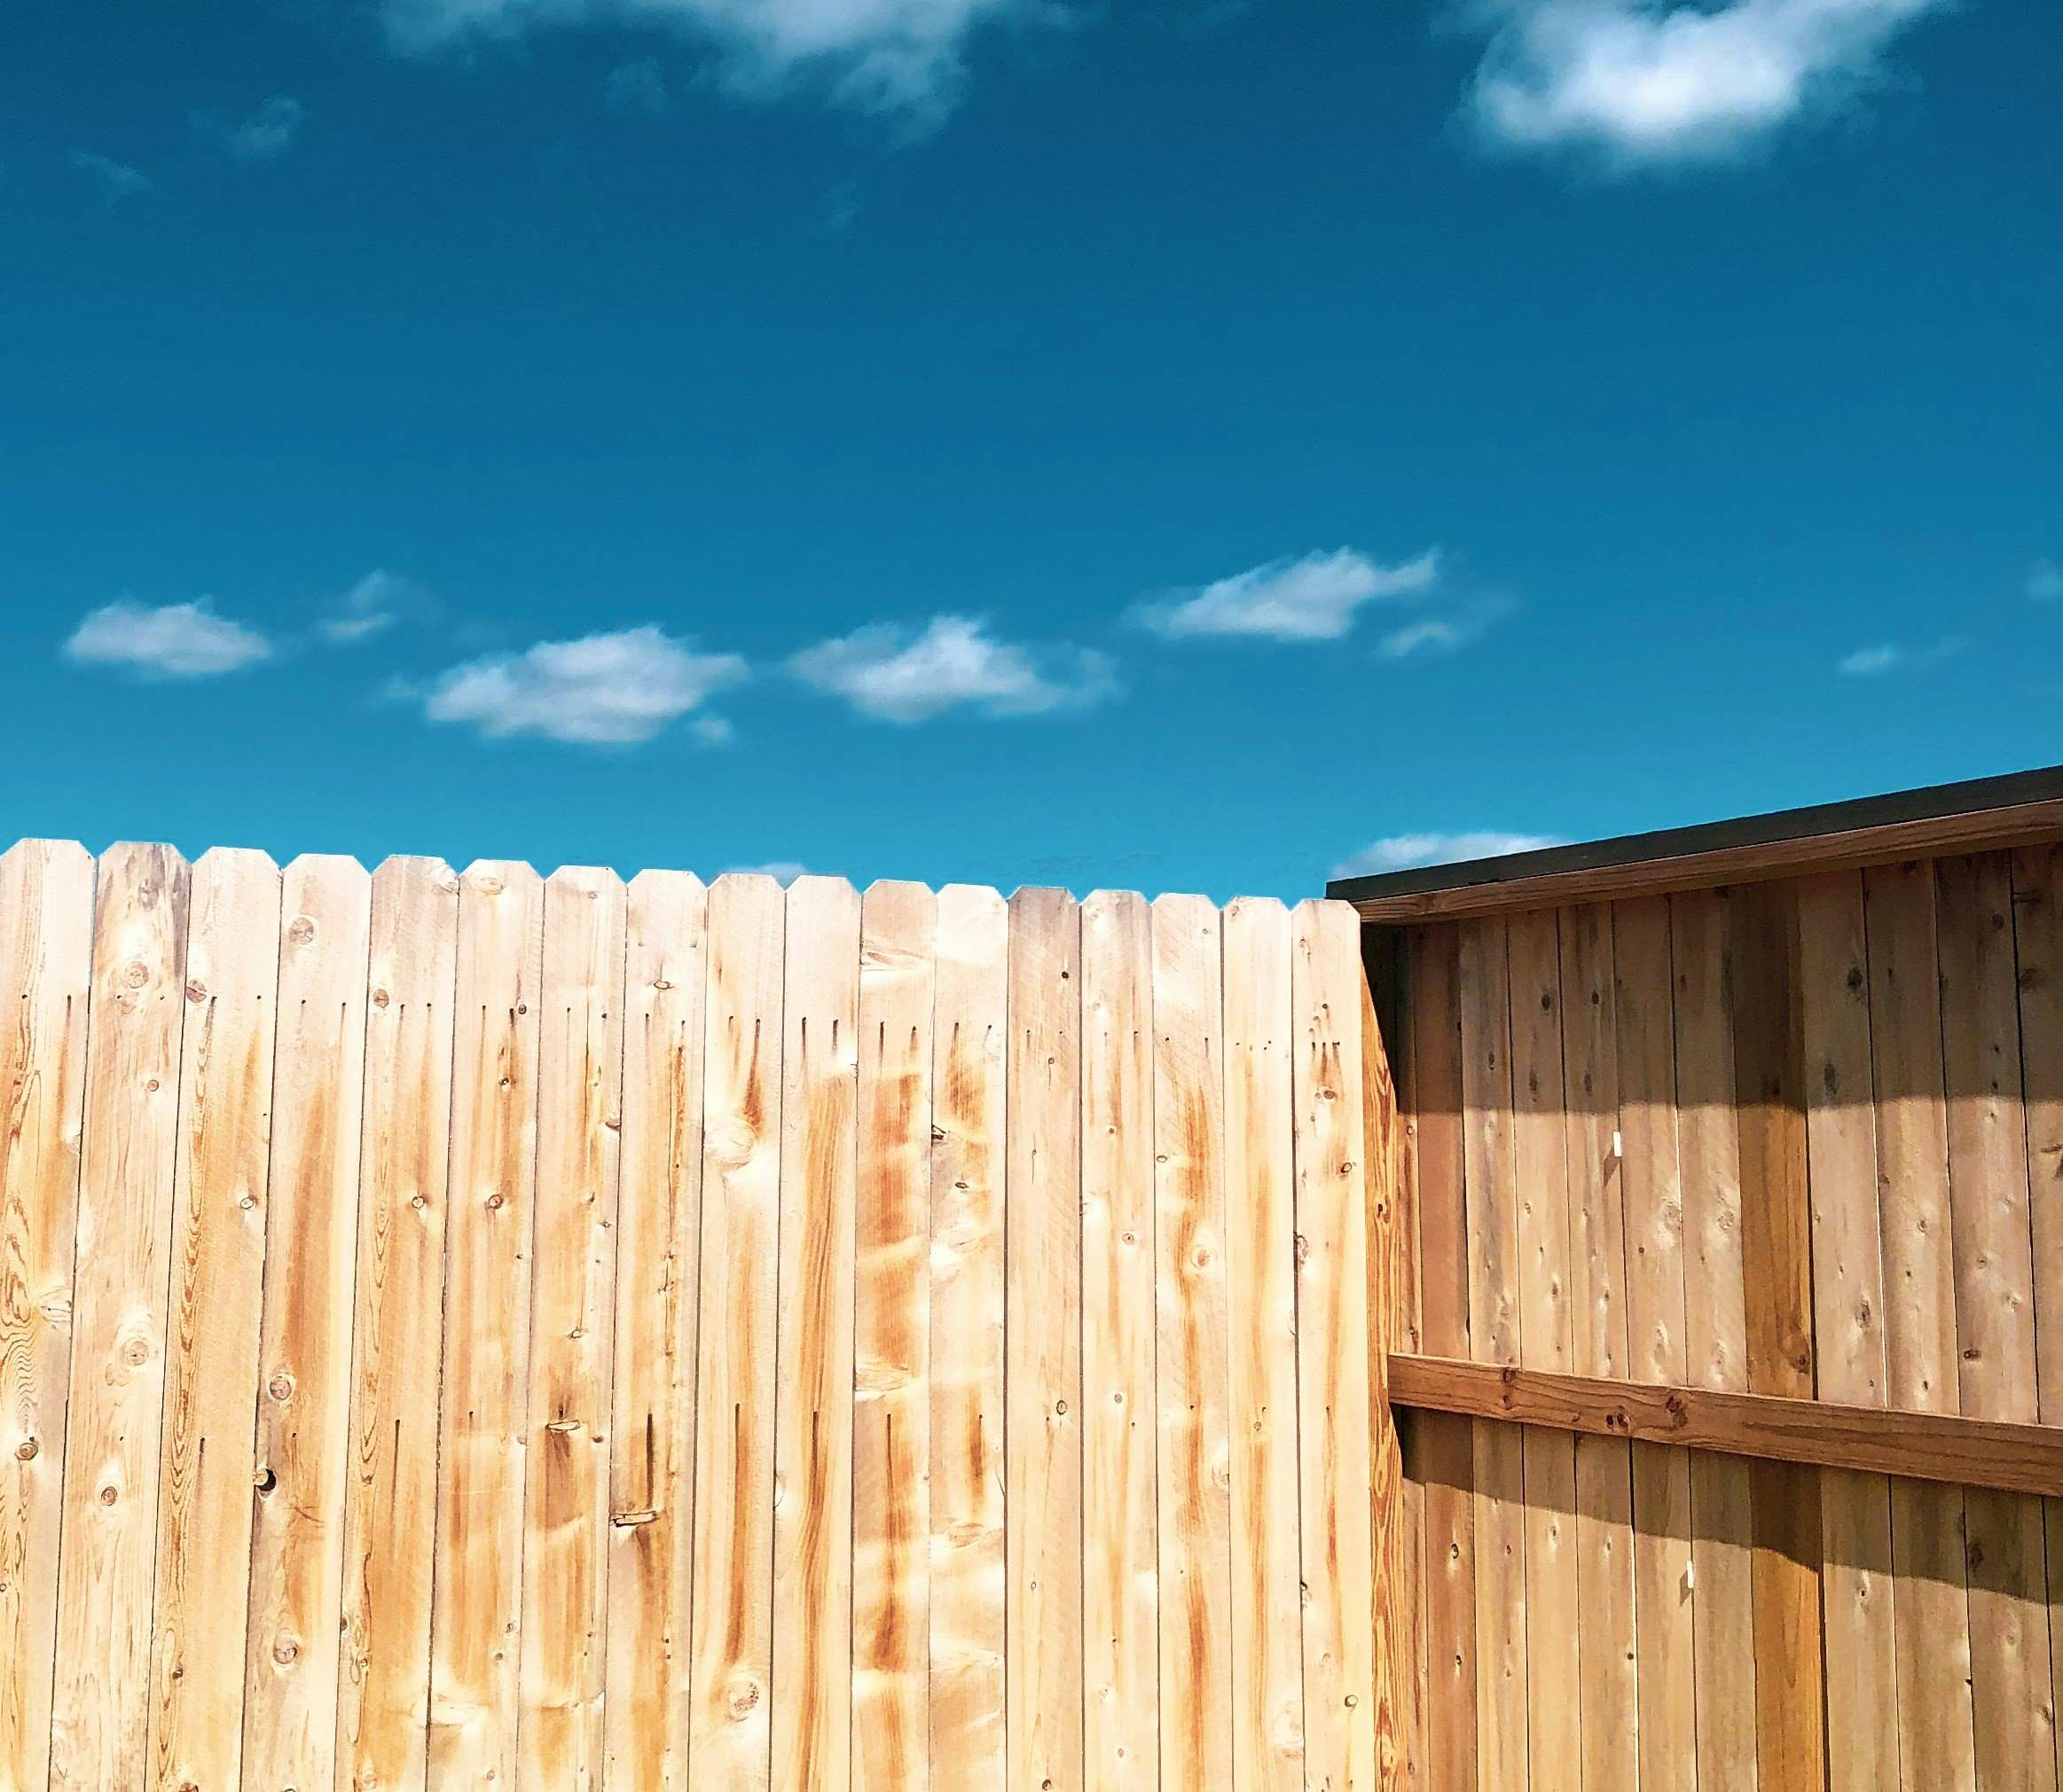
pixel 1181 446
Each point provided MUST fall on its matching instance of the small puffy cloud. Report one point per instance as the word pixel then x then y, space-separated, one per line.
pixel 170 641
pixel 1645 81
pixel 894 676
pixel 117 179
pixel 638 86
pixel 264 135
pixel 611 689
pixel 371 606
pixel 2046 581
pixel 783 870
pixel 1314 598
pixel 713 730
pixel 1404 851
pixel 1876 661
pixel 1431 636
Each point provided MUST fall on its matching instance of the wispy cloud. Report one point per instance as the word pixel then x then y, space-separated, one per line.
pixel 371 606
pixel 1466 621
pixel 2046 581
pixel 608 690
pixel 1403 851
pixel 170 641
pixel 638 86
pixel 783 870
pixel 1882 657
pixel 895 56
pixel 267 132
pixel 1315 598
pixel 888 673
pixel 117 179
pixel 1648 81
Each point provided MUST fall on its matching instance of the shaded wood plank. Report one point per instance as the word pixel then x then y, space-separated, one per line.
pixel 817 1523
pixel 658 1288
pixel 1121 1569
pixel 891 1513
pixel 99 1713
pixel 1267 1668
pixel 220 1178
pixel 1192 1342
pixel 1043 1383
pixel 476 1597
pixel 970 1031
pixel 565 1589
pixel 390 1497
pixel 46 943
pixel 732 1648
pixel 1332 1333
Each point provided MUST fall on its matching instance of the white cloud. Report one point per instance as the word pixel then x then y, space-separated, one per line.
pixel 1403 851
pixel 1893 656
pixel 117 179
pixel 714 731
pixel 2046 581
pixel 883 671
pixel 171 641
pixel 265 134
pixel 1314 598
pixel 901 56
pixel 373 606
pixel 1430 637
pixel 603 690
pixel 783 870
pixel 1645 81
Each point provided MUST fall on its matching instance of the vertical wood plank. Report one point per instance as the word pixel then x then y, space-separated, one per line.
pixel 1332 1333
pixel 816 1521
pixel 1981 1057
pixel 1936 1740
pixel 1043 1385
pixel 46 943
pixel 1716 1333
pixel 1193 1348
pixel 732 1650
pixel 658 1289
pixel 218 1259
pixel 580 1068
pixel 1121 1571
pixel 292 1650
pixel 1644 981
pixel 891 1513
pixel 1267 1689
pixel 476 1598
pixel 1848 1292
pixel 390 1499
pixel 99 1703
pixel 970 1031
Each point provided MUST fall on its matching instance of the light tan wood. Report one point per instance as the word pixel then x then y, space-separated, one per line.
pixel 297 1544
pixel 1643 1013
pixel 1995 1315
pixel 732 1649
pixel 658 1288
pixel 390 1499
pixel 817 1522
pixel 891 1510
pixel 220 1178
pixel 1043 1464
pixel 1193 1343
pixel 580 1061
pixel 46 929
pixel 1936 1741
pixel 100 1707
pixel 970 1032
pixel 1267 1645
pixel 1764 861
pixel 1848 1282
pixel 1121 1568
pixel 475 1620
pixel 1332 1330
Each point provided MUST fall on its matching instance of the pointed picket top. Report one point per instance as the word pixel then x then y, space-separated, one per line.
pixel 971 896
pixel 490 877
pixel 241 857
pixel 408 870
pixel 656 878
pixel 759 882
pixel 1244 906
pixel 34 849
pixel 592 879
pixel 1042 895
pixel 822 884
pixel 1107 901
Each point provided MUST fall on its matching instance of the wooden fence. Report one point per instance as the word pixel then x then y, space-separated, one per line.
pixel 542 1332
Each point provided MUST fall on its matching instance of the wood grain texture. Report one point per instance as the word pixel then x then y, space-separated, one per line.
pixel 658 1289
pixel 99 1713
pixel 293 1648
pixel 580 1061
pixel 1043 1504
pixel 390 1497
pixel 1267 1643
pixel 891 1510
pixel 817 1524
pixel 1192 1322
pixel 732 1648
pixel 1122 1572
pixel 219 1181
pixel 476 1621
pixel 970 1036
pixel 46 943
